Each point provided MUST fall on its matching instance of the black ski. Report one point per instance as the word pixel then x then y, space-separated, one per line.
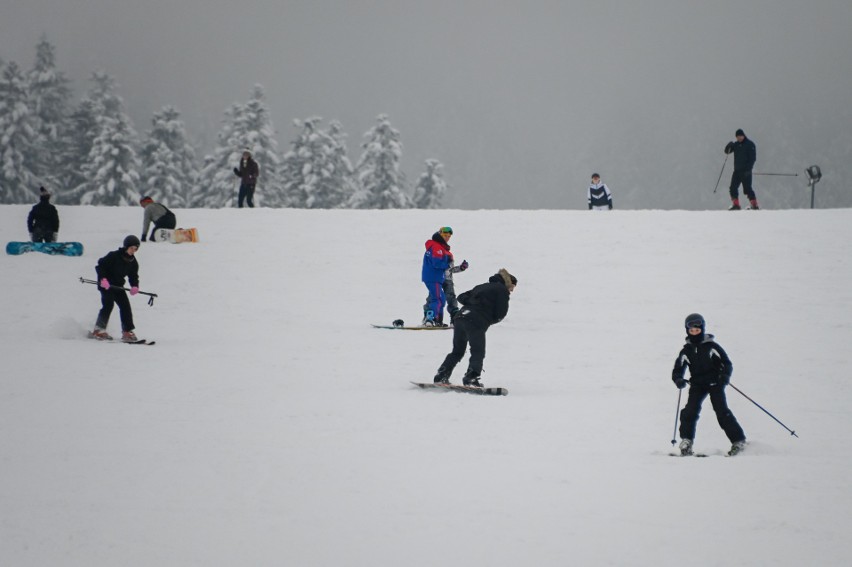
pixel 466 389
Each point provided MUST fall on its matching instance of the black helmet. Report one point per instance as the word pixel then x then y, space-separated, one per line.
pixel 694 320
pixel 131 240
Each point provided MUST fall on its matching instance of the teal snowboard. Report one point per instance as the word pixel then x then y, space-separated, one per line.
pixel 53 248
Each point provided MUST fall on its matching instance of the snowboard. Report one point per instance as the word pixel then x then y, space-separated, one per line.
pixel 176 235
pixel 465 389
pixel 410 328
pixel 52 248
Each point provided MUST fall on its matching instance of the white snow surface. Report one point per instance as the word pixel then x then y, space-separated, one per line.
pixel 271 425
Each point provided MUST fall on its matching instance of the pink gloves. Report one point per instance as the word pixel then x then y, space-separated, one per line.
pixel 105 283
pixel 134 290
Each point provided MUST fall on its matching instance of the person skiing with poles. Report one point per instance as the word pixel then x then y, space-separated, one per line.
pixel 112 270
pixel 745 154
pixel 710 371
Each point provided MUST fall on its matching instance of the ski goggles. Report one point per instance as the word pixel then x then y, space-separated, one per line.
pixel 445 230
pixel 694 324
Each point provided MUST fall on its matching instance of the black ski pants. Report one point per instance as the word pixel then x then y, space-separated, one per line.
pixel 109 298
pixel 168 220
pixel 744 178
pixel 246 194
pixel 467 330
pixel 690 412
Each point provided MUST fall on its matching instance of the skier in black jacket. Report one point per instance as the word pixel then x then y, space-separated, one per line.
pixel 112 269
pixel 247 172
pixel 43 220
pixel 745 154
pixel 483 306
pixel 710 371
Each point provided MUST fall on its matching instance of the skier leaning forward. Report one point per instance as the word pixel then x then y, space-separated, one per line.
pixel 112 270
pixel 710 371
pixel 484 305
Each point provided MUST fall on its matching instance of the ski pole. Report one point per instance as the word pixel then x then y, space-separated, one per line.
pixel 780 174
pixel 150 299
pixel 721 172
pixel 793 433
pixel 677 413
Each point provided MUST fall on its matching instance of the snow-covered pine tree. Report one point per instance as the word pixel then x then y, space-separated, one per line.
pixel 431 187
pixel 316 172
pixel 244 127
pixel 112 166
pixel 381 182
pixel 49 94
pixel 168 160
pixel 79 134
pixel 18 181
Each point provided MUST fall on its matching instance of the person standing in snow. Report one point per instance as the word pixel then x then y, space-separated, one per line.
pixel 247 172
pixel 745 154
pixel 449 288
pixel 485 305
pixel 112 270
pixel 43 220
pixel 157 213
pixel 599 195
pixel 436 260
pixel 710 371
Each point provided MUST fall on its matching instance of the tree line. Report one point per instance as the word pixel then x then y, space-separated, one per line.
pixel 91 154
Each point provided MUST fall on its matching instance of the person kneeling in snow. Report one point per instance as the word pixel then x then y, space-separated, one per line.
pixel 157 213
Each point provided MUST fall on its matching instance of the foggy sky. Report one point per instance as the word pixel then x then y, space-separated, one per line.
pixel 521 101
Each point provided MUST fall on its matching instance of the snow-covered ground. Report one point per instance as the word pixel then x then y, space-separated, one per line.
pixel 270 425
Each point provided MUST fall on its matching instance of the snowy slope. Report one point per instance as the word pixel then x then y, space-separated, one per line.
pixel 272 426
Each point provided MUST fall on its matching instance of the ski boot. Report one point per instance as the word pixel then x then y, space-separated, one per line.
pixel 737 448
pixel 754 205
pixel 128 337
pixel 685 447
pixel 100 334
pixel 471 379
pixel 735 205
pixel 443 375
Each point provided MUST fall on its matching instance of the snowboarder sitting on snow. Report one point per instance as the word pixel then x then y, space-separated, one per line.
pixel 599 195
pixel 112 269
pixel 247 172
pixel 484 305
pixel 43 220
pixel 710 371
pixel 157 213
pixel 436 260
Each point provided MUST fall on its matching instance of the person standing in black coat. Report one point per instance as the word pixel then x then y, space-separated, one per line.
pixel 745 154
pixel 43 220
pixel 483 306
pixel 710 371
pixel 112 270
pixel 247 172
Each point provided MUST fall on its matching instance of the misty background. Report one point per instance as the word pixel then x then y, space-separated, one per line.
pixel 521 102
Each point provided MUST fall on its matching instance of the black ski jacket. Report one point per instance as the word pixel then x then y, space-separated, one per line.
pixel 116 266
pixel 488 303
pixel 248 171
pixel 708 363
pixel 745 154
pixel 43 216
